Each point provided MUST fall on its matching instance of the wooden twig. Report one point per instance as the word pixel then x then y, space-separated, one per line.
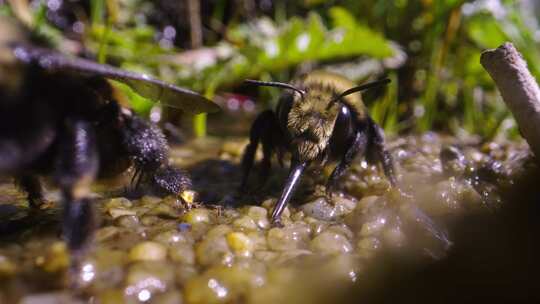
pixel 518 88
pixel 195 25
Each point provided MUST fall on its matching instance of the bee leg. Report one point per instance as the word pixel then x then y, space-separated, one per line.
pixel 377 152
pixel 148 149
pixel 136 179
pixel 266 162
pixel 76 166
pixel 168 180
pixel 261 130
pixel 145 144
pixel 357 146
pixel 31 185
pixel 295 173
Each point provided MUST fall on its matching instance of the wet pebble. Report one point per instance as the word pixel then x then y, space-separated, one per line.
pixel 145 279
pixel 288 238
pixel 120 211
pixel 50 298
pixel 330 243
pixel 7 267
pixel 320 209
pixel 259 216
pixel 197 216
pixel 245 223
pixel 182 253
pixel 240 243
pixel 147 251
pixel 128 221
pixel 56 258
pixel 214 248
pixel 221 285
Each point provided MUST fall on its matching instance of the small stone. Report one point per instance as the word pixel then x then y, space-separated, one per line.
pixel 331 243
pixel 50 298
pixel 341 229
pixel 221 285
pixel 144 279
pixel 394 237
pixel 120 211
pixel 368 246
pixel 453 161
pixel 56 258
pixel 245 223
pixel 319 209
pixel 119 202
pixel 184 227
pixel 104 269
pixel 317 226
pixel 288 238
pixel 149 201
pixel 182 253
pixel 106 233
pixel 233 148
pixel 258 239
pixel 7 267
pixel 196 216
pixel 128 221
pixel 169 297
pixel 149 220
pixel 214 248
pixel 164 210
pixel 343 204
pixel 287 256
pixel 198 231
pixel 240 243
pixel 259 216
pixel 271 202
pixel 265 255
pixel 366 203
pixel 147 251
pixel 184 272
pixel 111 296
pixel 340 268
pixel 374 226
pixel 298 216
pixel 171 237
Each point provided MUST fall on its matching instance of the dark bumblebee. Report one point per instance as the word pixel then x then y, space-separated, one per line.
pixel 319 119
pixel 59 118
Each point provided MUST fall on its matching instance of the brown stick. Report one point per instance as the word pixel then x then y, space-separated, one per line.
pixel 194 11
pixel 518 88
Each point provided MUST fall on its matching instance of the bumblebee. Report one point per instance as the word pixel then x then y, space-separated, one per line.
pixel 320 117
pixel 60 118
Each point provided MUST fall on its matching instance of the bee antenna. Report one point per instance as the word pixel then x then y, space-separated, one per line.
pixel 276 84
pixel 359 88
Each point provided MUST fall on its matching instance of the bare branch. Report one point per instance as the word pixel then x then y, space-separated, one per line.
pixel 518 88
pixel 194 12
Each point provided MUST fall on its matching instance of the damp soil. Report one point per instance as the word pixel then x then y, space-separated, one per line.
pixel 333 247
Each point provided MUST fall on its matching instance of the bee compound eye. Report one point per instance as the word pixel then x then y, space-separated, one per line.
pixel 344 126
pixel 344 113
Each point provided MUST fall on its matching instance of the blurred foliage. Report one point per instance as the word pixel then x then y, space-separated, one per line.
pixel 440 86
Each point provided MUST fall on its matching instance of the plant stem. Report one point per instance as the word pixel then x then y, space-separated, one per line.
pixel 199 125
pixel 194 12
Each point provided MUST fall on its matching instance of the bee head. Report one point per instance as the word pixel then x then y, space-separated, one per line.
pixel 311 120
pixel 316 102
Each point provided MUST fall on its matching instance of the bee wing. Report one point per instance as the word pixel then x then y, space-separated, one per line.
pixel 147 86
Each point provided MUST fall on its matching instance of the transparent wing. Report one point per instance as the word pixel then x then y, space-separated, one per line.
pixel 147 86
